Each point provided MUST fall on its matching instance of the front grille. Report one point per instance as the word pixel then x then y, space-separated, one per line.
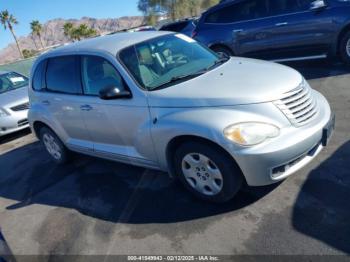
pixel 299 105
pixel 22 122
pixel 21 107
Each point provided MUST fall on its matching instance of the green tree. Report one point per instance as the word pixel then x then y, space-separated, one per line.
pixel 209 3
pixel 29 53
pixel 84 31
pixel 36 28
pixel 176 9
pixel 8 20
pixel 67 29
pixel 78 33
pixel 33 38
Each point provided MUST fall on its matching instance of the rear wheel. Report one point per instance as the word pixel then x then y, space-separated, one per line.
pixel 53 146
pixel 345 48
pixel 222 50
pixel 207 172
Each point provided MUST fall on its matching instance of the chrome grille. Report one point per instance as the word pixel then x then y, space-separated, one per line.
pixel 21 107
pixel 299 105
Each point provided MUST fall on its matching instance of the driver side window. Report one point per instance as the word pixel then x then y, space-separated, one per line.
pixel 98 73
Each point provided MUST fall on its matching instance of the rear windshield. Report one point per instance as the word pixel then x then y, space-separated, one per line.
pixel 175 27
pixel 11 81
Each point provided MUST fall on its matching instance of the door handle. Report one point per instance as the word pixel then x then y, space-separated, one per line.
pixel 86 107
pixel 282 24
pixel 45 102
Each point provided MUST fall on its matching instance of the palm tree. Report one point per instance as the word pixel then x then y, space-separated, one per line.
pixel 67 28
pixel 33 38
pixel 36 30
pixel 8 20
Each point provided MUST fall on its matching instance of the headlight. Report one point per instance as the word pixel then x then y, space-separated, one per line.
pixel 250 133
pixel 3 113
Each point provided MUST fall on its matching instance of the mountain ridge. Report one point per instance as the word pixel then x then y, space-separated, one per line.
pixel 52 33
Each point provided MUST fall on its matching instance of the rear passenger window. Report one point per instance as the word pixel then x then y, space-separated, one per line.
pixel 282 7
pixel 246 10
pixel 62 75
pixel 177 27
pixel 38 78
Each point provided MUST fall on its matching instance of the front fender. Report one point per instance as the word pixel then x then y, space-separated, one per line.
pixel 207 123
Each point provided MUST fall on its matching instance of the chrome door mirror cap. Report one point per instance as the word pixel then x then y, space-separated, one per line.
pixel 113 92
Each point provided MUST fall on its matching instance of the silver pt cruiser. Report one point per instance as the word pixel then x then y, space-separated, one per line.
pixel 161 100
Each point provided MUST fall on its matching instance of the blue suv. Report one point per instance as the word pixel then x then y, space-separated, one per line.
pixel 279 30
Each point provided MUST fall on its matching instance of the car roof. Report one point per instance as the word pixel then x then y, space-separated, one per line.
pixel 109 43
pixel 4 72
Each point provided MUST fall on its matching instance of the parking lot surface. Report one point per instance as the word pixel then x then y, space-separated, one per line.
pixel 93 206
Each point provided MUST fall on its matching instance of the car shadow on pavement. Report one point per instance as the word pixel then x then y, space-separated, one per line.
pixel 106 190
pixel 11 137
pixel 314 69
pixel 322 209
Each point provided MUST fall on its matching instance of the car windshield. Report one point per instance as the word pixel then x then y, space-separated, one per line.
pixel 11 81
pixel 164 61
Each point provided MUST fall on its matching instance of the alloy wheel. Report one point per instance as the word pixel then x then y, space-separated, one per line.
pixel 51 146
pixel 348 47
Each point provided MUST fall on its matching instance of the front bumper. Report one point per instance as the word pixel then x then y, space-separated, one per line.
pixel 281 157
pixel 14 122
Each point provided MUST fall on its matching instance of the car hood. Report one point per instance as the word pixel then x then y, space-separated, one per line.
pixel 239 81
pixel 14 96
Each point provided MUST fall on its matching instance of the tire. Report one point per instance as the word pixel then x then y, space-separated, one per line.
pixel 190 159
pixel 344 48
pixel 54 146
pixel 222 50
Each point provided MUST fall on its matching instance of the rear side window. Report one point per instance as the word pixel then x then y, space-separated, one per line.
pixel 282 7
pixel 63 76
pixel 245 10
pixel 39 77
pixel 176 27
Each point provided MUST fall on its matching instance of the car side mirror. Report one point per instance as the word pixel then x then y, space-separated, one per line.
pixel 317 5
pixel 113 92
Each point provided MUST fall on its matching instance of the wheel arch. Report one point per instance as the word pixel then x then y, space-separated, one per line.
pixel 345 29
pixel 175 142
pixel 38 125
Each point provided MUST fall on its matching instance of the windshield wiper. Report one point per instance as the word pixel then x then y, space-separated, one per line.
pixel 189 76
pixel 217 62
pixel 178 78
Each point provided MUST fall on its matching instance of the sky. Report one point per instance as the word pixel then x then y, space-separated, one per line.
pixel 43 10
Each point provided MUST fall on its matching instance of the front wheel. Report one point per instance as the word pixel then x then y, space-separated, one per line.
pixel 207 172
pixel 345 48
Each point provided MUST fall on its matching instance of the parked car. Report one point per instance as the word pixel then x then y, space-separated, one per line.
pixel 14 102
pixel 185 26
pixel 283 30
pixel 161 100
